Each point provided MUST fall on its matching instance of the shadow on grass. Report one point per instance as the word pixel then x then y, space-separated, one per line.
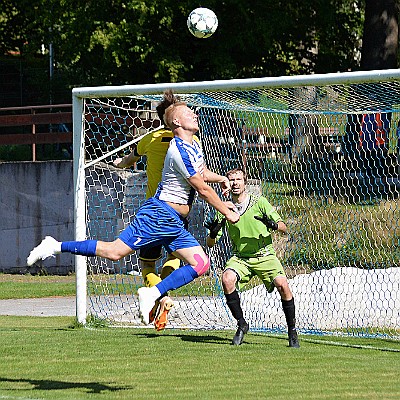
pixel 188 338
pixel 45 384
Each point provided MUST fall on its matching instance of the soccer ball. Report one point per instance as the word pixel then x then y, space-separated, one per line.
pixel 202 22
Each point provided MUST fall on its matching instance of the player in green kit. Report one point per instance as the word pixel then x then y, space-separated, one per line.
pixel 253 253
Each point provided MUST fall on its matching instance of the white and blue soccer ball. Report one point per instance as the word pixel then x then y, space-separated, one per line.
pixel 202 22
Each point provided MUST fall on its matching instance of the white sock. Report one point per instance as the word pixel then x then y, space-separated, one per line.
pixel 154 292
pixel 57 248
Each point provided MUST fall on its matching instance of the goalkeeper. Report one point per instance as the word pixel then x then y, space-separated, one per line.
pixel 154 146
pixel 253 253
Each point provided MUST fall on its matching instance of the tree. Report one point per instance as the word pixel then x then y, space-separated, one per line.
pixel 381 35
pixel 128 41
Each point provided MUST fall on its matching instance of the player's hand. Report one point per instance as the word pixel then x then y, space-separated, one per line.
pixel 225 187
pixel 214 227
pixel 269 223
pixel 232 217
pixel 117 162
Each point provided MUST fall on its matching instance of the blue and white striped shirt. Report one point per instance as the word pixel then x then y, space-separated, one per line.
pixel 183 160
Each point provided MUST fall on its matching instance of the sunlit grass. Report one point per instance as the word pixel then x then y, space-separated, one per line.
pixel 46 358
pixel 34 286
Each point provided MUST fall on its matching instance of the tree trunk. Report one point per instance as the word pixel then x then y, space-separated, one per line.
pixel 381 36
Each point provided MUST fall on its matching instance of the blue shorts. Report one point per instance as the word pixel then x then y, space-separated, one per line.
pixel 156 223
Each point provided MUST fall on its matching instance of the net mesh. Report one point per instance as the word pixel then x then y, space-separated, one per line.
pixel 327 157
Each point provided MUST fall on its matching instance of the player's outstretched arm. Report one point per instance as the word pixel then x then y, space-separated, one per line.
pixel 212 177
pixel 127 161
pixel 208 194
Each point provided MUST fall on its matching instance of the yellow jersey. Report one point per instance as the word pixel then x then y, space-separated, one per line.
pixel 155 146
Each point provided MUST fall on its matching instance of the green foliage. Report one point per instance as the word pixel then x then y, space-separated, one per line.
pixel 94 321
pixel 44 152
pixel 15 152
pixel 128 42
pixel 328 233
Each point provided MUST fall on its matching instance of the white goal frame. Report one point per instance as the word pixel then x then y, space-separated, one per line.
pixel 80 94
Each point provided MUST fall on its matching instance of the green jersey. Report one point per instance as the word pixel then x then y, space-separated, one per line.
pixel 250 237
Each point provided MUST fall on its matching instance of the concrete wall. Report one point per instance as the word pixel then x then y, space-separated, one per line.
pixel 36 199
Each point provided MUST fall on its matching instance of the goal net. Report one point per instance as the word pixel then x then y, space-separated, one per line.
pixel 324 151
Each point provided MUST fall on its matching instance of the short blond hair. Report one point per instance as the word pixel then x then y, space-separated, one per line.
pixel 170 112
pixel 167 107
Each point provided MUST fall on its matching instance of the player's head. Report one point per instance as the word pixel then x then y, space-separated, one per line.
pixel 176 113
pixel 237 179
pixel 239 171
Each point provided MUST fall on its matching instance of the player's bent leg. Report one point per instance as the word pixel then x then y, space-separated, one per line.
pixel 113 251
pixel 196 257
pixel 169 266
pixel 197 263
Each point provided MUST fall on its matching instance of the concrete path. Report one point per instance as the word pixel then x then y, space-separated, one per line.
pixel 45 307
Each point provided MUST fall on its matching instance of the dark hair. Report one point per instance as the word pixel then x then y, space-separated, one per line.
pixel 235 170
pixel 168 99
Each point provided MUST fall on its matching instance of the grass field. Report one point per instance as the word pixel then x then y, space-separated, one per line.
pixel 46 358
pixel 52 358
pixel 35 286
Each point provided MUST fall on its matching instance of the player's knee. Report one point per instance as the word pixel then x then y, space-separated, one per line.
pixel 282 285
pixel 113 251
pixel 202 264
pixel 229 279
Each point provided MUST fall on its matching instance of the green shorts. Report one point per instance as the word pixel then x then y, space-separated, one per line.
pixel 266 268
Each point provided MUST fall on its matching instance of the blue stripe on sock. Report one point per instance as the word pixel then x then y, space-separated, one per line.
pixel 83 248
pixel 180 277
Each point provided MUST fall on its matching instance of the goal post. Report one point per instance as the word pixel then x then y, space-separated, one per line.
pixel 322 148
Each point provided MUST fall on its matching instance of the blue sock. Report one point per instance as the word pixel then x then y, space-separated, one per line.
pixel 83 248
pixel 177 278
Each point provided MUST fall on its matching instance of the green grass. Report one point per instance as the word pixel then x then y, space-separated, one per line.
pixel 52 358
pixel 29 286
pixel 45 358
pixel 328 234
